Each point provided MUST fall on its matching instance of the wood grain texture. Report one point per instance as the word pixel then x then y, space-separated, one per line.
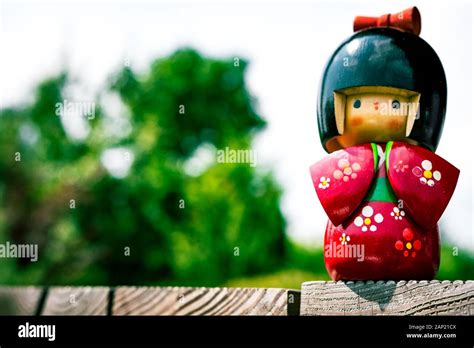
pixel 388 298
pixel 76 301
pixel 315 298
pixel 19 300
pixel 199 301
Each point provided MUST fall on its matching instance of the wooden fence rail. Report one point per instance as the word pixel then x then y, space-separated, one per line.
pixel 315 298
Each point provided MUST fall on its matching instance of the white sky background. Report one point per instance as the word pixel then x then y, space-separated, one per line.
pixel 287 44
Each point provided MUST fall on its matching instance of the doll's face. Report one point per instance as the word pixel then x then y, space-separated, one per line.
pixel 374 114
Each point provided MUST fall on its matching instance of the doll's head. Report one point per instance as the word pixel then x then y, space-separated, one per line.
pixel 382 84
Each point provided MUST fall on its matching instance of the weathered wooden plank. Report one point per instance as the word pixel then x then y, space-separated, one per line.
pixel 19 300
pixel 388 298
pixel 76 301
pixel 199 301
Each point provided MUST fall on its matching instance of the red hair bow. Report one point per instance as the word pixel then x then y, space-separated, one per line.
pixel 408 20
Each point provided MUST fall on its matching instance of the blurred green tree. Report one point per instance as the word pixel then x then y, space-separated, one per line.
pixel 163 221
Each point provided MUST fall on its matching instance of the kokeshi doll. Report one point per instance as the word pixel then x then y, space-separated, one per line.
pixel 381 109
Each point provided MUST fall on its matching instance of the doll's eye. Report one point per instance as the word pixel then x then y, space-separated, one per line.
pixel 396 104
pixel 357 103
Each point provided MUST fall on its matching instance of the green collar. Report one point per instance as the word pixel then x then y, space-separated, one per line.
pixel 381 191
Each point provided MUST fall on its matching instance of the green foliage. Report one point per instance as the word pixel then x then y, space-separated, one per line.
pixel 291 278
pixel 160 224
pixel 456 264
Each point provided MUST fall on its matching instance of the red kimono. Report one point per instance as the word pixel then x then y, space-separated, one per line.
pixel 383 202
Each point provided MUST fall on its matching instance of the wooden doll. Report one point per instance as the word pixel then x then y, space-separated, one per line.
pixel 381 109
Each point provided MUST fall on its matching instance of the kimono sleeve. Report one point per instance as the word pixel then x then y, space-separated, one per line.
pixel 343 179
pixel 422 180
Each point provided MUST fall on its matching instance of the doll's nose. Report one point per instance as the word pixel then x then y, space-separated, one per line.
pixel 376 105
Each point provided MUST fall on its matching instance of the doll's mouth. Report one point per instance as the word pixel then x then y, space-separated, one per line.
pixel 376 105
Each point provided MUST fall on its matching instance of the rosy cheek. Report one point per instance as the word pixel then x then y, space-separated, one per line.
pixel 394 123
pixel 357 121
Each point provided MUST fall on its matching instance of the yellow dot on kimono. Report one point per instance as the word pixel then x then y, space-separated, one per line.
pixel 408 245
pixel 427 174
pixel 367 221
